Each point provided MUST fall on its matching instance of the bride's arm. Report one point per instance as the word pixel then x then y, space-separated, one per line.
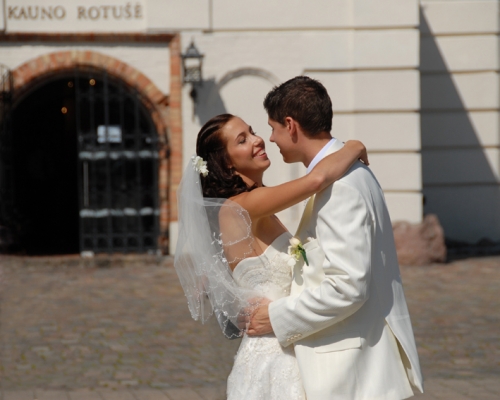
pixel 265 201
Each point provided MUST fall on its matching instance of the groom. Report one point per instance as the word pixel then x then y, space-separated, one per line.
pixel 346 314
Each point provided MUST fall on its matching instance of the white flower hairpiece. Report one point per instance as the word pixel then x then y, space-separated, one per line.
pixel 199 165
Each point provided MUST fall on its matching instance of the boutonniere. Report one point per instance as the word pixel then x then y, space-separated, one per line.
pixel 296 249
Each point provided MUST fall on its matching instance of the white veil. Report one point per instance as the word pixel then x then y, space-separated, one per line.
pixel 214 235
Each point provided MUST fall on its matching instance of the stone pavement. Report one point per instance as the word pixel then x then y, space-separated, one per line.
pixel 120 329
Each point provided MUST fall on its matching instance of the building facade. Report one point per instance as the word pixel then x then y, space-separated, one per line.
pixel 459 116
pixel 97 125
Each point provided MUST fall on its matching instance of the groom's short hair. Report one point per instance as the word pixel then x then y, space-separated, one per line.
pixel 305 100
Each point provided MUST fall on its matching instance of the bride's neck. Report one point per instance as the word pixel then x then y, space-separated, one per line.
pixel 250 181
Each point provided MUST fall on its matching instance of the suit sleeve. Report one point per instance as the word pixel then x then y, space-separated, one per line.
pixel 343 230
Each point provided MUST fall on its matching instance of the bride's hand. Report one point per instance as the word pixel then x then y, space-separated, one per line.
pixel 246 313
pixel 255 318
pixel 360 147
pixel 337 164
pixel 260 323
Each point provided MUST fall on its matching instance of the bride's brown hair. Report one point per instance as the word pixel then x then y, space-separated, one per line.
pixel 221 181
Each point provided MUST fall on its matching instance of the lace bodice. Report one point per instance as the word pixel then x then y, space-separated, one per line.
pixel 263 369
pixel 270 273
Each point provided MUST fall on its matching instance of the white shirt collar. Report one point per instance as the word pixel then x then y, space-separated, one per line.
pixel 320 155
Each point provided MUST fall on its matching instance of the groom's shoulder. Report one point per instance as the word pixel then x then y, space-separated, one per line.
pixel 358 184
pixel 359 181
pixel 359 175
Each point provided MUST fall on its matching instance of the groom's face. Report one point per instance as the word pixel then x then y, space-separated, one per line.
pixel 281 135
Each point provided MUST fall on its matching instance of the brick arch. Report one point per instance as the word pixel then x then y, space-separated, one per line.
pixel 37 69
pixel 166 116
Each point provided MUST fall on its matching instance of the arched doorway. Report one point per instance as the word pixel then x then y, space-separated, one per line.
pixel 85 153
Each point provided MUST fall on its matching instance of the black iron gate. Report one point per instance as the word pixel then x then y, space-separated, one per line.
pixel 7 222
pixel 117 166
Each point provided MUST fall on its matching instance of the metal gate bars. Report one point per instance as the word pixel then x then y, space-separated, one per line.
pixel 117 166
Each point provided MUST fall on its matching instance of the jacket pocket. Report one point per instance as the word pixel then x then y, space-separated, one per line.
pixel 347 341
pixel 315 255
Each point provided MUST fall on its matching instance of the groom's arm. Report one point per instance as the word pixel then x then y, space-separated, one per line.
pixel 344 230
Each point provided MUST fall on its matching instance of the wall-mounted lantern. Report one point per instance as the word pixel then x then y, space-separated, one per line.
pixel 192 61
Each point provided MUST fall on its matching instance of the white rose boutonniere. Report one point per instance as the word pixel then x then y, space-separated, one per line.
pixel 199 165
pixel 296 250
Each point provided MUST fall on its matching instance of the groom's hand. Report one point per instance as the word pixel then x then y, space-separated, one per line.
pixel 259 322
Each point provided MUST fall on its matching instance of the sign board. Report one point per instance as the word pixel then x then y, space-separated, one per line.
pixel 110 134
pixel 74 16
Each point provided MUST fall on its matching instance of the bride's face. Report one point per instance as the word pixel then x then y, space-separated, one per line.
pixel 246 150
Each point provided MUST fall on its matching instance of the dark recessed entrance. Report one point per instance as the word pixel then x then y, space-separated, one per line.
pixel 45 170
pixel 85 165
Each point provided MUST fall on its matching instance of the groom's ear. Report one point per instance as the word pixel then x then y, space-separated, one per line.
pixel 292 128
pixel 291 125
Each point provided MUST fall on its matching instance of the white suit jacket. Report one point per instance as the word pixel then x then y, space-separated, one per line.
pixel 347 313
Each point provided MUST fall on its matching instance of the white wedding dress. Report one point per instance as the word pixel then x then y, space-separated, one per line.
pixel 263 369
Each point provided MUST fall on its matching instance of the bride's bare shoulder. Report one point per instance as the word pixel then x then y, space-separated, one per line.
pixel 240 199
pixel 233 207
pixel 234 221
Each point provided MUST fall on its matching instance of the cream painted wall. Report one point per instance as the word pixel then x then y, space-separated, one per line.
pixel 460 88
pixel 456 125
pixel 174 15
pixel 460 16
pixel 371 75
pixel 272 15
pixel 482 53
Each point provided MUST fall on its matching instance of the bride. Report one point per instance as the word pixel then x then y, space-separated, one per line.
pixel 232 249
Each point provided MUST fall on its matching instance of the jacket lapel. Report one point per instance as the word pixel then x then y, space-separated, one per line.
pixel 306 215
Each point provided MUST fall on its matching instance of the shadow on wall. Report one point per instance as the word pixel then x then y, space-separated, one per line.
pixel 459 184
pixel 208 101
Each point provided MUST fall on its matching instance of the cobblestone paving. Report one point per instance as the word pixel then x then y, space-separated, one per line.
pixel 76 329
pixel 75 326
pixel 455 312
